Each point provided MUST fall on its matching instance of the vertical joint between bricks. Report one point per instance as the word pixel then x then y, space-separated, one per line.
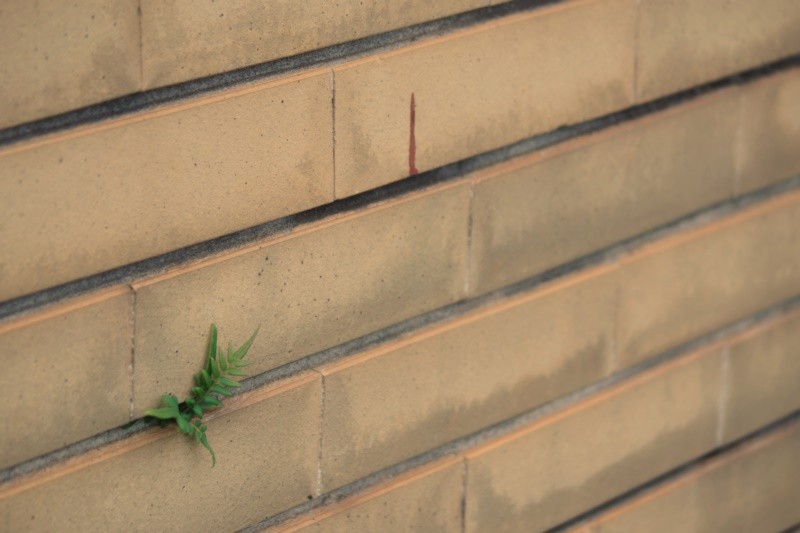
pixel 321 434
pixel 634 86
pixel 468 259
pixel 132 364
pixel 141 46
pixel 738 145
pixel 723 395
pixel 333 130
pixel 464 495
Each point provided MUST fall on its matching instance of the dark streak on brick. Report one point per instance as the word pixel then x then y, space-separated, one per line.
pixel 412 141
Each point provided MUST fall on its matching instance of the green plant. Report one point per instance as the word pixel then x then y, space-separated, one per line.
pixel 213 383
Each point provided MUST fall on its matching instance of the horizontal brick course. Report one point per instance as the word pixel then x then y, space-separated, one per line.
pixel 606 445
pixel 60 56
pixel 267 462
pixel 416 394
pixel 770 138
pixel 751 489
pixel 427 499
pixel 309 290
pixel 681 43
pixel 573 199
pixel 106 195
pixel 66 375
pixel 691 283
pixel 763 378
pixel 480 89
pixel 182 40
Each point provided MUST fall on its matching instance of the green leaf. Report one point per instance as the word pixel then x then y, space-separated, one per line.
pixel 240 364
pixel 184 426
pixel 214 368
pixel 206 379
pixel 204 442
pixel 236 372
pixel 223 365
pixel 210 402
pixel 242 351
pixel 170 401
pixel 229 382
pixel 163 413
pixel 220 389
pixel 198 392
pixel 198 411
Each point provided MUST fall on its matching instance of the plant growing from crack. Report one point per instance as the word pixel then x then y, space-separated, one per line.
pixel 212 384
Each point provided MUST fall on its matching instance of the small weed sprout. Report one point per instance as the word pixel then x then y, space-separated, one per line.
pixel 212 384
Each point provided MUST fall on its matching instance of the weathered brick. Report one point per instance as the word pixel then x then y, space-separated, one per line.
pixel 479 89
pixel 703 279
pixel 770 131
pixel 267 462
pixel 555 206
pixel 750 490
pixel 428 499
pixel 401 400
pixel 66 375
pixel 57 56
pixel 763 378
pixel 186 39
pixel 681 43
pixel 148 184
pixel 578 458
pixel 310 290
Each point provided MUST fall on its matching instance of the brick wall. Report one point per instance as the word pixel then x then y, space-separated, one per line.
pixel 518 265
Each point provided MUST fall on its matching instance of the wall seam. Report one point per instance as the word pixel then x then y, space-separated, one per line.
pixel 141 46
pixel 132 364
pixel 634 81
pixel 738 145
pixel 321 439
pixel 724 393
pixel 468 260
pixel 464 473
pixel 333 129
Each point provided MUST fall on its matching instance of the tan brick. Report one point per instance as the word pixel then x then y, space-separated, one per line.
pixel 749 490
pixel 770 142
pixel 552 207
pixel 426 500
pixel 58 57
pixel 479 89
pixel 66 375
pixel 149 184
pixel 682 43
pixel 267 462
pixel 763 378
pixel 396 402
pixel 186 39
pixel 608 444
pixel 703 279
pixel 310 290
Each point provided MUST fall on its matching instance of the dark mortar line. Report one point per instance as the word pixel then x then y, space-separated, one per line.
pixel 412 325
pixel 447 173
pixel 336 53
pixel 675 474
pixel 118 434
pixel 507 426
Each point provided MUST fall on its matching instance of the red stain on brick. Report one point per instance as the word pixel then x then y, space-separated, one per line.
pixel 412 141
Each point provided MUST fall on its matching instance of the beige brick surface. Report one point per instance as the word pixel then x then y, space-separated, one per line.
pixel 698 281
pixel 770 141
pixel 396 402
pixel 309 291
pixel 751 490
pixel 763 378
pixel 427 500
pixel 61 56
pixel 596 450
pixel 66 375
pixel 556 206
pixel 682 43
pixel 480 89
pixel 188 39
pixel 84 202
pixel 267 462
